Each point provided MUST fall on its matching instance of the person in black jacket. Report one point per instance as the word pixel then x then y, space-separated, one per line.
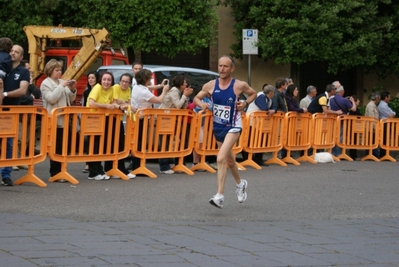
pixel 32 93
pixel 92 79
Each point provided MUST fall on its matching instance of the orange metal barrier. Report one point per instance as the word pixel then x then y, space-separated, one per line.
pixel 297 136
pixel 209 147
pixel 264 136
pixel 31 118
pixel 92 127
pixel 358 132
pixel 324 132
pixel 389 137
pixel 163 134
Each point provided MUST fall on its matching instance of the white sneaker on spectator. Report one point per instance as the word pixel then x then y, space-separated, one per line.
pixel 106 177
pixel 131 175
pixel 214 166
pixel 168 172
pixel 98 177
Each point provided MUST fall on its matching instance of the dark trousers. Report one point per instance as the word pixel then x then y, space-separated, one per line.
pixel 136 161
pixel 121 146
pixel 55 166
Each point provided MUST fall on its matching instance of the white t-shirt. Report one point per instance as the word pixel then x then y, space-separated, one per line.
pixel 140 97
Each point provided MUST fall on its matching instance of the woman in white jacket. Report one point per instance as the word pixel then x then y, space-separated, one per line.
pixel 57 92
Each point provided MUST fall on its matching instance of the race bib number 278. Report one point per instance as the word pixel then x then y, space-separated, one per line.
pixel 221 113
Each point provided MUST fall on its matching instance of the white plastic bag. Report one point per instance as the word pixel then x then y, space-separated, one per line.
pixel 323 157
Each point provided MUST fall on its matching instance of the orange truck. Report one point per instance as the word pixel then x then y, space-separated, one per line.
pixel 78 61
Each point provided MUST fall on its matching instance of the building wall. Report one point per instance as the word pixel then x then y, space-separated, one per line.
pixel 390 84
pixel 261 72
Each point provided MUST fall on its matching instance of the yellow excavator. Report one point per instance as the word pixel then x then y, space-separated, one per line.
pixel 93 41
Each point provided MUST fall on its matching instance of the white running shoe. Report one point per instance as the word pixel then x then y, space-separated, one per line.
pixel 131 175
pixel 98 177
pixel 106 177
pixel 217 201
pixel 242 191
pixel 168 172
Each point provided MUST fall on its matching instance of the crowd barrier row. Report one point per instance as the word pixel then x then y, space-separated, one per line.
pixel 93 135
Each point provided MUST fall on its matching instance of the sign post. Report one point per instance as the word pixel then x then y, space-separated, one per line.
pixel 249 46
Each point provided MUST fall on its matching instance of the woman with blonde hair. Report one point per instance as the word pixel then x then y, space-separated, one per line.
pixel 56 93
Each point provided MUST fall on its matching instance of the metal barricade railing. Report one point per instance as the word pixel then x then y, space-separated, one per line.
pixel 21 126
pixel 389 137
pixel 208 146
pixel 324 132
pixel 358 132
pixel 262 137
pixel 164 134
pixel 298 132
pixel 80 125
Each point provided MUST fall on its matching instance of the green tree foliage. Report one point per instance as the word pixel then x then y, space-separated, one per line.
pixel 16 14
pixel 165 26
pixel 343 33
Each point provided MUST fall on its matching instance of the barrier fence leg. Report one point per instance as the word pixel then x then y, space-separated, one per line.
pixel 180 167
pixel 63 175
pixel 202 165
pixel 275 160
pixel 116 172
pixel 144 170
pixel 250 162
pixel 344 155
pixel 30 177
pixel 306 157
pixel 387 157
pixel 370 156
pixel 289 159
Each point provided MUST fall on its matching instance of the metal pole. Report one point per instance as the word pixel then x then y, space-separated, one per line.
pixel 249 70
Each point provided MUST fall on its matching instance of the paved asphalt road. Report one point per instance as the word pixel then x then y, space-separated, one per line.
pixel 342 214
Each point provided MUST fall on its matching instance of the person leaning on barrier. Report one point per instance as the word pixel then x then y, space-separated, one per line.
pixel 311 94
pixel 319 103
pixel 385 112
pixel 280 104
pixel 177 97
pixel 225 92
pixel 339 102
pixel 263 102
pixel 56 93
pixel 15 85
pixel 32 93
pixel 121 96
pixel 372 111
pixel 102 96
pixel 93 78
pixel 142 98
pixel 290 94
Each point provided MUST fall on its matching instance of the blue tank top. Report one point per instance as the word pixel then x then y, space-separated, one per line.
pixel 225 113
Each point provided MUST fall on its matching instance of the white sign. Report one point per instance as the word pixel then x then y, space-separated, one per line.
pixel 249 41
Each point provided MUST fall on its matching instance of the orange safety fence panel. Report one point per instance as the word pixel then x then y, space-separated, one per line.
pixel 166 133
pixel 298 131
pixel 84 125
pixel 263 135
pixel 21 126
pixel 208 146
pixel 389 137
pixel 324 132
pixel 358 132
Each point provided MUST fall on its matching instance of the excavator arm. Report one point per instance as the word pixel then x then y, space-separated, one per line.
pixel 93 42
